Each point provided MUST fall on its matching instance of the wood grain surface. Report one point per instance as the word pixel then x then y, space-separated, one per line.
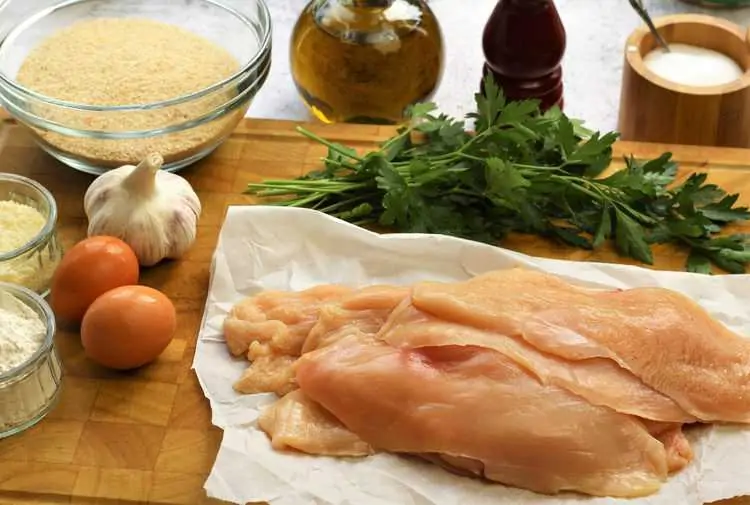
pixel 146 436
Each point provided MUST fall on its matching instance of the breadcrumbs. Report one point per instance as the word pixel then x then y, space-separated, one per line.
pixel 129 61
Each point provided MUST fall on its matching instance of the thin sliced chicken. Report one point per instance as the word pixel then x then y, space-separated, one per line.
pixel 279 319
pixel 270 328
pixel 600 381
pixel 296 422
pixel 274 328
pixel 477 409
pixel 664 338
pixel 364 311
pixel 678 448
pixel 268 373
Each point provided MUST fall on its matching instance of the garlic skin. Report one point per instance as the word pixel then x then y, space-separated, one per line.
pixel 155 212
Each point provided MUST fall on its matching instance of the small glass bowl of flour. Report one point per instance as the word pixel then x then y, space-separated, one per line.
pixel 29 247
pixel 30 368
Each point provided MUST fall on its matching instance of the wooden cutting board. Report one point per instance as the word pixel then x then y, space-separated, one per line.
pixel 146 436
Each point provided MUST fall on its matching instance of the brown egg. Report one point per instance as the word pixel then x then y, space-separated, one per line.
pixel 128 327
pixel 89 269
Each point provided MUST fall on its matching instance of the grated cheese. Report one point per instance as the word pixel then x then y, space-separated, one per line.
pixel 19 224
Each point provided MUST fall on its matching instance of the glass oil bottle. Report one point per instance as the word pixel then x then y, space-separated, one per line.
pixel 366 61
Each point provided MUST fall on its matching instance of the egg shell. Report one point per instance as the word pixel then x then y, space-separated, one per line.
pixel 128 327
pixel 89 269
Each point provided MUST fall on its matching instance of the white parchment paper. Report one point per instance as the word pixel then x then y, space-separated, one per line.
pixel 284 248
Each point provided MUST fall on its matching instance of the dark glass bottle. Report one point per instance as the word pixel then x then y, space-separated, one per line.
pixel 524 43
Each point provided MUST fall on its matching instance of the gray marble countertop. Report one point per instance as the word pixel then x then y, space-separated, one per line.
pixel 596 31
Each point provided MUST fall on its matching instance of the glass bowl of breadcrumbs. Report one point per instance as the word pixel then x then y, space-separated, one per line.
pixel 103 83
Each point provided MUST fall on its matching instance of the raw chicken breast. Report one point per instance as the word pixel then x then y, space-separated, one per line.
pixel 296 422
pixel 365 311
pixel 268 373
pixel 679 451
pixel 664 338
pixel 279 319
pixel 274 328
pixel 271 328
pixel 600 381
pixel 481 412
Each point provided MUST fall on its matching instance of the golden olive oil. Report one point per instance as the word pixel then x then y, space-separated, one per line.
pixel 366 61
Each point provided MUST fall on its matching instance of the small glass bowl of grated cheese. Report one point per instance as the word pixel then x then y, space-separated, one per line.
pixel 29 247
pixel 30 368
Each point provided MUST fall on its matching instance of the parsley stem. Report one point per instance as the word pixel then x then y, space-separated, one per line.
pixel 349 201
pixel 580 188
pixel 302 202
pixel 466 192
pixel 307 185
pixel 470 157
pixel 627 209
pixel 330 145
pixel 300 189
pixel 340 164
pixel 538 168
pixel 396 138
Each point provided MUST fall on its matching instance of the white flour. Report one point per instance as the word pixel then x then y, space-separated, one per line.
pixel 22 332
pixel 24 398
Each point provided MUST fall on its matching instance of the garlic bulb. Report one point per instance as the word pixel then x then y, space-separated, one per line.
pixel 153 211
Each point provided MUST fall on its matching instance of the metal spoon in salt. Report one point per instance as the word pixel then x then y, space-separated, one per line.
pixel 640 9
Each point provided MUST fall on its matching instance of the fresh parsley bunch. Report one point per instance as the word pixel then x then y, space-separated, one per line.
pixel 525 171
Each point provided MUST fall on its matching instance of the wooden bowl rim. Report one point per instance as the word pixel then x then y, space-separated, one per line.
pixel 635 60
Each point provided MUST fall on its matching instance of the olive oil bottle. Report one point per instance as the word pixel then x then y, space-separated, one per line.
pixel 366 61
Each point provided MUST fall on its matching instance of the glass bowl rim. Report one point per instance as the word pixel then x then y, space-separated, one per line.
pixel 263 48
pixel 49 225
pixel 36 303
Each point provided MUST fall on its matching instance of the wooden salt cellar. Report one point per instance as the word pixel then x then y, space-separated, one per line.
pixel 524 43
pixel 653 109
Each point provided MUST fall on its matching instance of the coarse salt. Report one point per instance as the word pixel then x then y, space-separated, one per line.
pixel 693 66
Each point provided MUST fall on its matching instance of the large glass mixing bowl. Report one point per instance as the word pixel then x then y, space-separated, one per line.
pixel 191 126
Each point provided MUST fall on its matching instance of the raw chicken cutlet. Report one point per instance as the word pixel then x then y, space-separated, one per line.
pixel 270 329
pixel 481 410
pixel 296 422
pixel 274 328
pixel 664 338
pixel 515 376
pixel 601 381
pixel 279 319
